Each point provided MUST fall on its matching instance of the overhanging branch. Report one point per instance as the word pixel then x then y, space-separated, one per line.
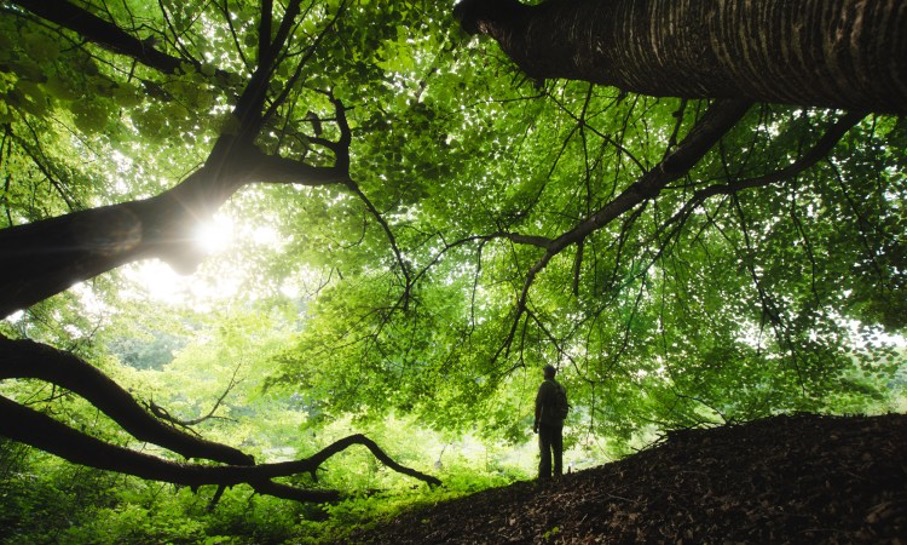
pixel 109 36
pixel 816 153
pixel 720 118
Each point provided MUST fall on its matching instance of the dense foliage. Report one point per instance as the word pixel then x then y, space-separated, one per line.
pixel 418 302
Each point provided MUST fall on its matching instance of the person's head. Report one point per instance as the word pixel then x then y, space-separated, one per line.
pixel 548 371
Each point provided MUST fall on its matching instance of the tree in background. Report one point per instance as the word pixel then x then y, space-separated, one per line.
pixel 681 260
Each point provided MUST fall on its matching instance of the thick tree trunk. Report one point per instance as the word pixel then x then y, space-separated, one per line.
pixel 847 54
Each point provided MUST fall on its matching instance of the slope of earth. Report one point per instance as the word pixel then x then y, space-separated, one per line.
pixel 787 479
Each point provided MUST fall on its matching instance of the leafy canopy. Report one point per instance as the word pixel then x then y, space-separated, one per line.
pixel 745 288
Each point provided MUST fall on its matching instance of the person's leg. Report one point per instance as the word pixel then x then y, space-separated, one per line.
pixel 557 448
pixel 545 453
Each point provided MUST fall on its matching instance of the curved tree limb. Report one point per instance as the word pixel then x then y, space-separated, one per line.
pixel 28 359
pixel 821 148
pixel 811 157
pixel 715 123
pixel 341 151
pixel 28 426
pixel 49 256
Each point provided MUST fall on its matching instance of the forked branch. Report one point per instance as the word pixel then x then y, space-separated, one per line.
pixel 162 413
pixel 720 118
pixel 815 154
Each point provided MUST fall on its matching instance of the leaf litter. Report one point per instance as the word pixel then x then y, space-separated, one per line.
pixel 786 479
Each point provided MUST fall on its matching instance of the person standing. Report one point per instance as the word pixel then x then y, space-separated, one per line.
pixel 551 410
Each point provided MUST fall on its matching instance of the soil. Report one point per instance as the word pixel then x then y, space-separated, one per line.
pixel 802 479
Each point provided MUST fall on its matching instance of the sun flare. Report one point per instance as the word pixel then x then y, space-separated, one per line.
pixel 214 235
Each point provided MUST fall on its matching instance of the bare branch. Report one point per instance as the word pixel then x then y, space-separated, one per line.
pixel 162 413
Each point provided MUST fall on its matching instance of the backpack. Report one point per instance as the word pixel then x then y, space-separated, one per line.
pixel 561 405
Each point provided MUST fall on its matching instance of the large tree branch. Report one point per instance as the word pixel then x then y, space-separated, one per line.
pixel 49 256
pixel 249 109
pixel 28 426
pixel 821 148
pixel 108 35
pixel 27 359
pixel 715 123
pixel 816 153
pixel 46 257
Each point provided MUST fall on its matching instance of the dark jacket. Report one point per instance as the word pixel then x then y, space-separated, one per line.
pixel 545 403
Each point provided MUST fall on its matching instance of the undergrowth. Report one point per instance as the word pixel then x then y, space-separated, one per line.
pixel 45 501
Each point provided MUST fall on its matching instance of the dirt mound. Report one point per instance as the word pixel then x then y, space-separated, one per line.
pixel 787 479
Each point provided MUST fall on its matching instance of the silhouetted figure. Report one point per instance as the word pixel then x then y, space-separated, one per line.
pixel 551 409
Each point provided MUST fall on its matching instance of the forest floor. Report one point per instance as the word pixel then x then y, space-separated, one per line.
pixel 788 479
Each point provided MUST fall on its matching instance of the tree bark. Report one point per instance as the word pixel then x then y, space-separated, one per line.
pixel 847 54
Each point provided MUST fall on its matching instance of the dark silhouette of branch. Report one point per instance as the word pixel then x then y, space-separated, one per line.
pixel 162 413
pixel 811 157
pixel 28 426
pixel 28 359
pixel 46 257
pixel 341 150
pixel 110 36
pixel 715 123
